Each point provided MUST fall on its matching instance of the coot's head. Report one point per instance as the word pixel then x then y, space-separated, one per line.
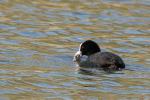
pixel 89 47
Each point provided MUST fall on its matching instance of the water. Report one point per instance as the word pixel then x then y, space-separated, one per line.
pixel 38 39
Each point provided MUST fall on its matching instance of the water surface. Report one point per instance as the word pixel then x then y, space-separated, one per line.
pixel 38 39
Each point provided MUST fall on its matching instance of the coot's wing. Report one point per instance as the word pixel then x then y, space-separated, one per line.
pixel 110 60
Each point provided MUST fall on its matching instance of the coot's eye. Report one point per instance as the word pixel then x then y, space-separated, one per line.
pixel 82 47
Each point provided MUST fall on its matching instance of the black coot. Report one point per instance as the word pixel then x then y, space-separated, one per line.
pixel 93 57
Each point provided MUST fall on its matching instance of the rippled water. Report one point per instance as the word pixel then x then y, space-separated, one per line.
pixel 38 39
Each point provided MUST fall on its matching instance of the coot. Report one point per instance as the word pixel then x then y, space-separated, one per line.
pixel 90 55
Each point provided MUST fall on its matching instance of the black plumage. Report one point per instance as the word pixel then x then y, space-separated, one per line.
pixel 96 58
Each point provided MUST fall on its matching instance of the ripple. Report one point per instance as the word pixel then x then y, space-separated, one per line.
pixel 9 42
pixel 7 27
pixel 24 8
pixel 4 82
pixel 39 38
pixel 44 85
pixel 110 83
pixel 9 91
pixel 32 34
pixel 114 16
pixel 132 31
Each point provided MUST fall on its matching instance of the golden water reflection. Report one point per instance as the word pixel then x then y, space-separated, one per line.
pixel 38 39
